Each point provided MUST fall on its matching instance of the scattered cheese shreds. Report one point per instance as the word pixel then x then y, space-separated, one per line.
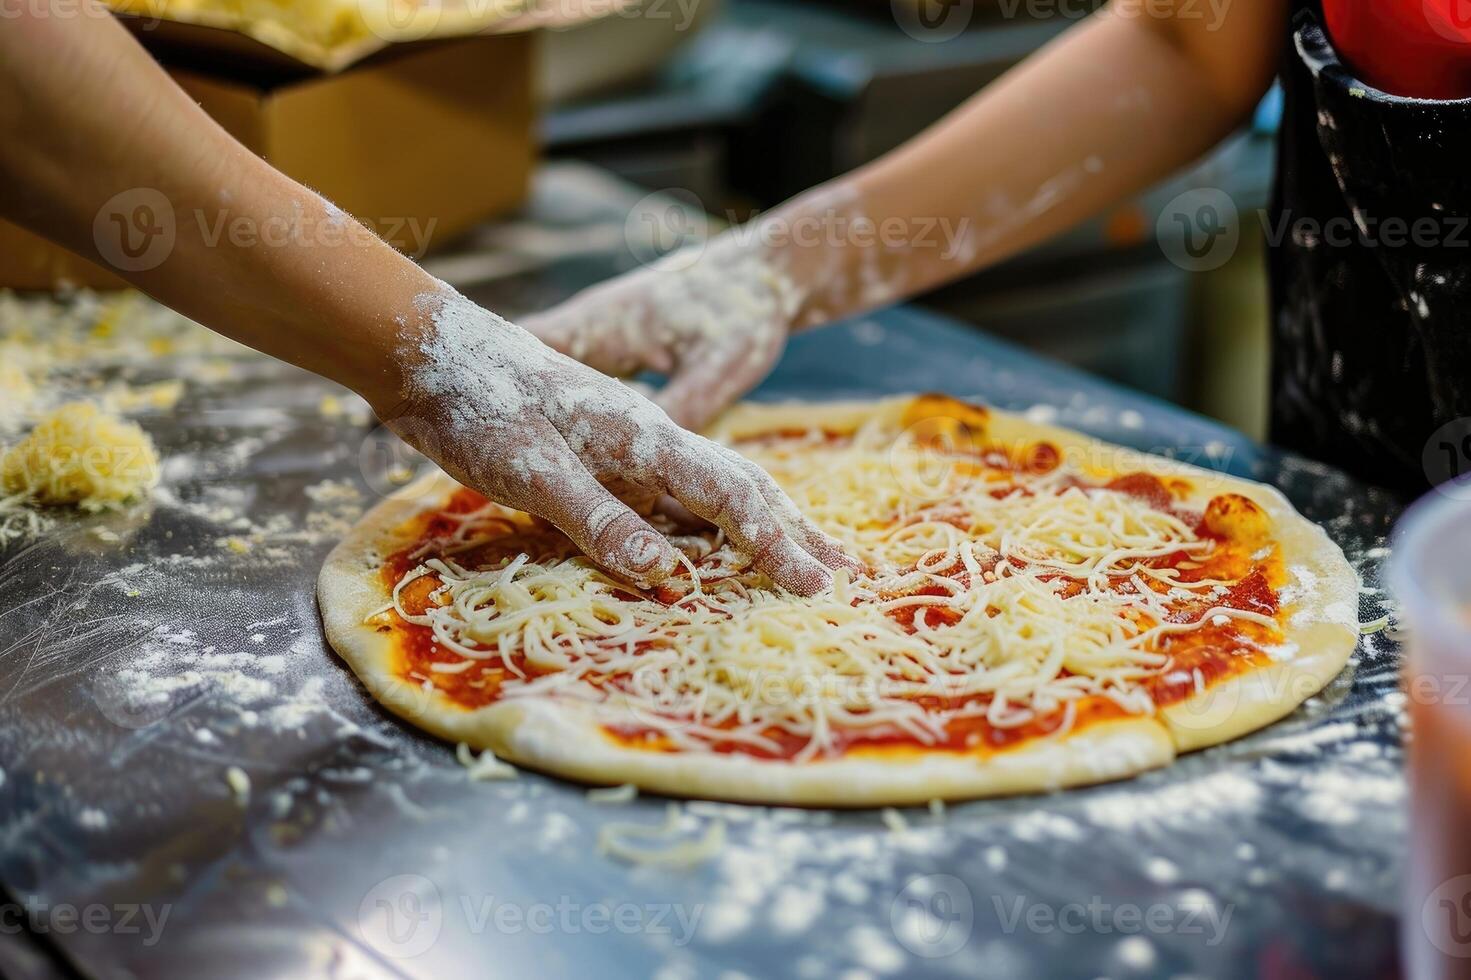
pixel 18 520
pixel 613 794
pixel 1009 596
pixel 159 396
pixel 614 840
pixel 487 766
pixel 894 820
pixel 1375 626
pixel 239 783
pixel 82 457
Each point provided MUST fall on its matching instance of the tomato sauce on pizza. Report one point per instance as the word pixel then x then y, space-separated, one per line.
pixel 1174 597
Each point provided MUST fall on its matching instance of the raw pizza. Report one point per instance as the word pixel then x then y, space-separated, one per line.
pixel 1037 610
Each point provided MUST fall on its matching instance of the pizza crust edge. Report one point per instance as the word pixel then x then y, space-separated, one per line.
pixel 564 741
pixel 1323 625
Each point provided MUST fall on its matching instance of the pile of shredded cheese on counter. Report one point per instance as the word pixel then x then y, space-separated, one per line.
pixel 83 457
pixel 1029 592
pixel 70 363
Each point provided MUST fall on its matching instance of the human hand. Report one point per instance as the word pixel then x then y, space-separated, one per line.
pixel 714 323
pixel 535 430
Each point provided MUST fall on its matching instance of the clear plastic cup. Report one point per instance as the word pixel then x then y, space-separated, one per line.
pixel 1430 575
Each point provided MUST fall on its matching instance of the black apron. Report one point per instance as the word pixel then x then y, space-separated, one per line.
pixel 1370 249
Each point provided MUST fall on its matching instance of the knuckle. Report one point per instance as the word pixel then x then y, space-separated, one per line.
pixel 744 503
pixel 762 479
pixel 601 525
pixel 766 537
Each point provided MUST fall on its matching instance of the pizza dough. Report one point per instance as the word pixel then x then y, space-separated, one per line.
pixel 1042 610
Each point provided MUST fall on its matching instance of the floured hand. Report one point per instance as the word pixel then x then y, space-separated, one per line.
pixel 535 430
pixel 714 322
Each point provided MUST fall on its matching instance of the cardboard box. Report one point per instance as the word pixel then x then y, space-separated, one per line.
pixel 419 146
pixel 418 140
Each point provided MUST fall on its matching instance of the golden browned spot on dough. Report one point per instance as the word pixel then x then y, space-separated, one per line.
pixel 1236 517
pixel 936 419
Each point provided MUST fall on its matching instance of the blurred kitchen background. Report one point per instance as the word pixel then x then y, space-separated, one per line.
pixel 763 98
pixel 721 106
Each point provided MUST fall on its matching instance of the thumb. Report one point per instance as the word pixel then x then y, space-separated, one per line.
pixel 609 531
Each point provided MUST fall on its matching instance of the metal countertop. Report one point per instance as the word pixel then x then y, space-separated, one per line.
pixel 146 654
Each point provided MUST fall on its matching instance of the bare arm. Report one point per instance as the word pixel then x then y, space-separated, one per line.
pixel 87 115
pixel 1105 111
pixel 1112 106
pixel 98 146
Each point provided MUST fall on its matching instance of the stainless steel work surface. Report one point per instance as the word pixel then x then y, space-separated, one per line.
pixel 191 770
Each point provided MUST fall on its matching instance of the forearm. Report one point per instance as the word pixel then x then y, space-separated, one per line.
pixel 1102 113
pixel 85 117
pixel 88 116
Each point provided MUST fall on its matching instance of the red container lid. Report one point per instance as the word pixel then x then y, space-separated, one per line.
pixel 1416 48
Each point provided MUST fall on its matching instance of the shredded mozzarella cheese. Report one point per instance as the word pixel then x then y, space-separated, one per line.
pixel 990 592
pixel 671 851
pixel 486 766
pixel 81 456
pixel 613 794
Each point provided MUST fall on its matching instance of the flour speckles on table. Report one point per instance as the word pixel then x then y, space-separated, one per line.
pixel 137 671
